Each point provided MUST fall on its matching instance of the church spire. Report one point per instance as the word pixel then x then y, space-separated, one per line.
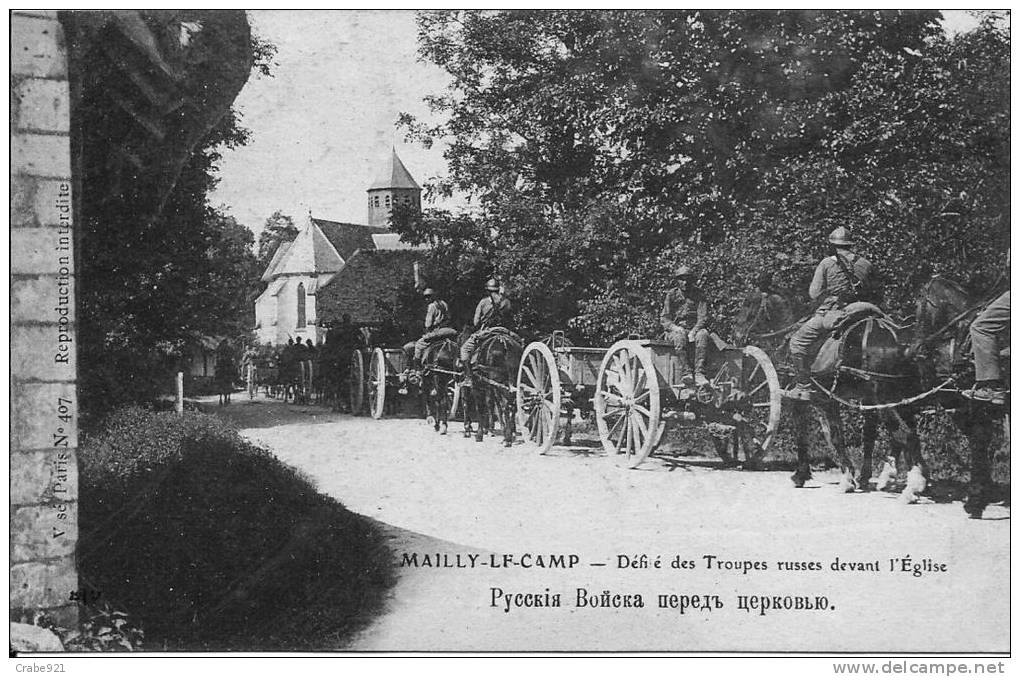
pixel 394 185
pixel 394 175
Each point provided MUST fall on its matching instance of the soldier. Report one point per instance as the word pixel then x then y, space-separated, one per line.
pixel 988 328
pixel 841 278
pixel 492 311
pixel 683 317
pixel 437 327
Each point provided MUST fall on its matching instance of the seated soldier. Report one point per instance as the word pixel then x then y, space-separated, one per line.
pixel 683 317
pixel 492 311
pixel 986 333
pixel 437 327
pixel 840 279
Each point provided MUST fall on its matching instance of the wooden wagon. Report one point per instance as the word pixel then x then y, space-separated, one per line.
pixel 555 379
pixel 638 393
pixel 375 379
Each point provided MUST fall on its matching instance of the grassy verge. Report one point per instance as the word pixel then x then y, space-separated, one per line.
pixel 211 543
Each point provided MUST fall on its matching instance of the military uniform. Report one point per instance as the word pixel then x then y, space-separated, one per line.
pixel 437 327
pixel 492 311
pixel 986 332
pixel 685 313
pixel 839 279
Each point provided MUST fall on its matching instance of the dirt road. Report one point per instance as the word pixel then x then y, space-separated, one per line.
pixel 468 507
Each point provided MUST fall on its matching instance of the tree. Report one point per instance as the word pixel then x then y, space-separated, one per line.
pixel 279 228
pixel 602 148
pixel 155 273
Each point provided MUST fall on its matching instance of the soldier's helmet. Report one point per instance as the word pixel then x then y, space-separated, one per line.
pixel 492 285
pixel 429 291
pixel 684 271
pixel 840 237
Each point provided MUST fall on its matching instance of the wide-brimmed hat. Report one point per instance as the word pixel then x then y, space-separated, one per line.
pixel 429 291
pixel 492 285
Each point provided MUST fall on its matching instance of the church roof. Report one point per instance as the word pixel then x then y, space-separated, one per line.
pixel 311 252
pixel 368 286
pixel 281 250
pixel 391 241
pixel 347 238
pixel 394 175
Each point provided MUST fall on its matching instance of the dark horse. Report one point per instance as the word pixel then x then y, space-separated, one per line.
pixel 862 366
pixel 941 349
pixel 497 359
pixel 439 372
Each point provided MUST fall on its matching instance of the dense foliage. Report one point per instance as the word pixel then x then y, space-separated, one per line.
pixel 211 542
pixel 156 272
pixel 278 228
pixel 602 148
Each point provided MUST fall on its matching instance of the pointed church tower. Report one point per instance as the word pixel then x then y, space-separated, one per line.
pixel 394 186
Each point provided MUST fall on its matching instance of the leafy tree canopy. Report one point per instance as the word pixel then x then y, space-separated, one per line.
pixel 279 228
pixel 602 148
pixel 151 285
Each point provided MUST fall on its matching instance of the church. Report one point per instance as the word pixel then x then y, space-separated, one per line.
pixel 348 268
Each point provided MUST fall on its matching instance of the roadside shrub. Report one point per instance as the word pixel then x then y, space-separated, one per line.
pixel 211 542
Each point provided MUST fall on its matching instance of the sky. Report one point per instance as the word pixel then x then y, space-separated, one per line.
pixel 324 124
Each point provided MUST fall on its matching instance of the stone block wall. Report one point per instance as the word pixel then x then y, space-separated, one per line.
pixel 44 416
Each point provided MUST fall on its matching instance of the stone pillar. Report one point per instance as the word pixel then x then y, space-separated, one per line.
pixel 44 412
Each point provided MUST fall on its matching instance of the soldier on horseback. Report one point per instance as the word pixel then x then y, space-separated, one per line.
pixel 437 327
pixel 986 333
pixel 840 279
pixel 491 312
pixel 683 317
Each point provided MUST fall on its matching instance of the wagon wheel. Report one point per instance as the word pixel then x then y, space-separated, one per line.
pixel 377 383
pixel 538 396
pixel 763 403
pixel 627 402
pixel 357 383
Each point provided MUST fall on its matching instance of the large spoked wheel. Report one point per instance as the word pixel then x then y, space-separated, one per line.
pixel 627 403
pixel 538 396
pixel 377 383
pixel 357 383
pixel 763 400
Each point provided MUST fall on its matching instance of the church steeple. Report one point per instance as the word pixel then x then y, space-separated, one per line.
pixel 393 186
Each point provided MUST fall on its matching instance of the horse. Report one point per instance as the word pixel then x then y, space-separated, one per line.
pixel 497 359
pixel 861 361
pixel 941 348
pixel 768 318
pixel 438 373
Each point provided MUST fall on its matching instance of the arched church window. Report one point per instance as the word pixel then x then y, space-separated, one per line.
pixel 387 200
pixel 301 305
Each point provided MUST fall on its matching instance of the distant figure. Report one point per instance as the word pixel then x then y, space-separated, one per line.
pixel 226 370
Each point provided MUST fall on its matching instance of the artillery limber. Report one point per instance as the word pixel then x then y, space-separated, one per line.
pixel 555 379
pixel 381 377
pixel 639 392
pixel 374 377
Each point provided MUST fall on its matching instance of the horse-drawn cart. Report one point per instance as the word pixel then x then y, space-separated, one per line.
pixel 374 377
pixel 554 380
pixel 639 392
pixel 380 375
